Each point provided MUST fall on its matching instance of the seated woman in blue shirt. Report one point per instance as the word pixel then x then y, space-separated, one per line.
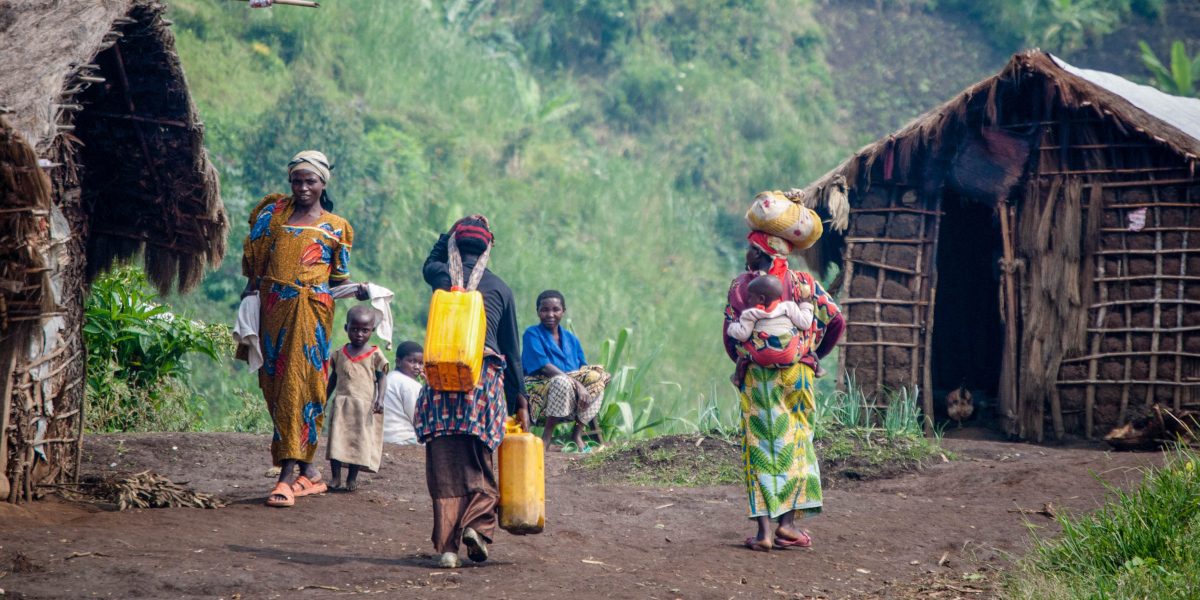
pixel 558 381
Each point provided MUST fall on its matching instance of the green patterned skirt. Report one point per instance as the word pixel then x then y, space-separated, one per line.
pixel 777 441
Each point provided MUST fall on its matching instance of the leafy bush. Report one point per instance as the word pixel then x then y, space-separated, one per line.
pixel 1180 78
pixel 137 362
pixel 1144 543
pixel 1058 25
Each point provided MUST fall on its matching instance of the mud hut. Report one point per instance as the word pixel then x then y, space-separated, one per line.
pixel 101 159
pixel 1036 239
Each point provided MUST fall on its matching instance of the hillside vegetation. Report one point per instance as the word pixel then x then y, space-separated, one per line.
pixel 612 143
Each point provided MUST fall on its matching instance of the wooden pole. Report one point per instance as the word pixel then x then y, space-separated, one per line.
pixel 8 364
pixel 305 3
pixel 931 303
pixel 1008 374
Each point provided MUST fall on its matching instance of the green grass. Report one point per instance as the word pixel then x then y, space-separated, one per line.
pixel 1144 543
pixel 858 436
pixel 671 461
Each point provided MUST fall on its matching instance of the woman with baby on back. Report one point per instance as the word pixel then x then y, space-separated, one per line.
pixel 790 322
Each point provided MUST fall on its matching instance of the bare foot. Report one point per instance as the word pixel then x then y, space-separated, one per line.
pixel 336 484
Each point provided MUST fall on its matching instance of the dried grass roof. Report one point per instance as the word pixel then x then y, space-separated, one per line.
pixel 1169 121
pixel 96 88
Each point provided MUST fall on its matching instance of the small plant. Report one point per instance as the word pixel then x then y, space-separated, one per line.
pixel 137 363
pixel 1180 78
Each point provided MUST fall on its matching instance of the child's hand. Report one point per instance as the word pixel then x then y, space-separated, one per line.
pixel 377 407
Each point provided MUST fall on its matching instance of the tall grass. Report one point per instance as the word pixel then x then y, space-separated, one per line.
pixel 1143 543
pixel 892 413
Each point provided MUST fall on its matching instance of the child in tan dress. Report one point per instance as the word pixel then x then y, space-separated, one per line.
pixel 355 407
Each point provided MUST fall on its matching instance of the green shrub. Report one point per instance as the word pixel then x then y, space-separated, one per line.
pixel 137 361
pixel 1178 79
pixel 1143 543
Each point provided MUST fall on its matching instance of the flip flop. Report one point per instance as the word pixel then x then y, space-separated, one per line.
pixel 804 542
pixel 757 546
pixel 307 487
pixel 285 490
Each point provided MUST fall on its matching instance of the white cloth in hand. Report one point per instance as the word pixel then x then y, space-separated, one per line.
pixel 245 331
pixel 381 300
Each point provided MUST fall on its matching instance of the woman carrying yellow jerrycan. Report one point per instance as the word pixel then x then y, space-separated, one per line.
pixel 462 428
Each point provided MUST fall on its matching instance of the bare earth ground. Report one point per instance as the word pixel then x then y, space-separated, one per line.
pixel 876 539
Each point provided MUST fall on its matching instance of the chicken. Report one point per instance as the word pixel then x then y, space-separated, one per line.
pixel 958 404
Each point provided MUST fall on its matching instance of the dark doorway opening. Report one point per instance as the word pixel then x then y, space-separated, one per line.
pixel 968 335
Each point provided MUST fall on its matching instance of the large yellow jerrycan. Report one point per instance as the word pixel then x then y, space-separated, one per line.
pixel 454 339
pixel 522 481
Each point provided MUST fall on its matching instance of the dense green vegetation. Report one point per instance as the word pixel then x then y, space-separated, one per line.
pixel 1061 26
pixel 138 363
pixel 1145 543
pixel 612 143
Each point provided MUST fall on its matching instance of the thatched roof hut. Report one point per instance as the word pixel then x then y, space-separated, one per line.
pixel 101 158
pixel 1036 239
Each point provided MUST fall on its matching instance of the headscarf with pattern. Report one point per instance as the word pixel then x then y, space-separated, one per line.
pixel 312 160
pixel 775 247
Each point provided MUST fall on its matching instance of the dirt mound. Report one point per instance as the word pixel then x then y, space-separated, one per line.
pixel 694 461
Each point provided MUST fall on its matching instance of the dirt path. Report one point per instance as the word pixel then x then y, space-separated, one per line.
pixel 876 539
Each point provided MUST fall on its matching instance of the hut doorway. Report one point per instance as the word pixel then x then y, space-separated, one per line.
pixel 968 334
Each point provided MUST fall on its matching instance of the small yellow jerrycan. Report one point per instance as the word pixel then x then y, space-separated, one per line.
pixel 522 481
pixel 457 328
pixel 454 339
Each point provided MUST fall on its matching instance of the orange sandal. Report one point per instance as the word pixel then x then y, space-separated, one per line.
pixel 285 490
pixel 307 487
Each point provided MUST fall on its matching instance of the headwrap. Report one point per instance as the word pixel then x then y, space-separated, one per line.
pixel 775 247
pixel 473 235
pixel 312 160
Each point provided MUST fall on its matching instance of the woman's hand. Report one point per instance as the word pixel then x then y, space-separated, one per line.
pixel 522 415
pixel 377 406
pixel 582 396
pixel 363 293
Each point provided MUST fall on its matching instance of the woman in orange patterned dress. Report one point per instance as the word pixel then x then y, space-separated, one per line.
pixel 296 249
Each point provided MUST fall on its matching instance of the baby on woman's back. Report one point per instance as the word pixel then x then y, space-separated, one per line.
pixel 770 329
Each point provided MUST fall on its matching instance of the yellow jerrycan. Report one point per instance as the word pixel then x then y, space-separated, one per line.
pixel 456 330
pixel 522 481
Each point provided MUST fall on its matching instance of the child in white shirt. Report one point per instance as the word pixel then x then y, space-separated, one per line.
pixel 401 390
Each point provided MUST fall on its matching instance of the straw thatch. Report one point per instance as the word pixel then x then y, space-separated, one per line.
pixel 1098 315
pixel 101 159
pixel 101 82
